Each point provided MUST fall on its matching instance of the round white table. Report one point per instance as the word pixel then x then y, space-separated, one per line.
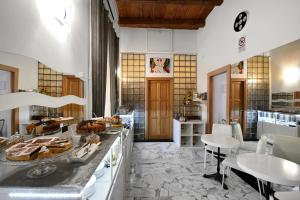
pixel 219 141
pixel 271 169
pixel 290 195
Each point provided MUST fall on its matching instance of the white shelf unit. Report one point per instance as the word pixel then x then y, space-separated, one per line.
pixel 188 134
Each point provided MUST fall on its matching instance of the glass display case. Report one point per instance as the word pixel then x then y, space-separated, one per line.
pixel 271 123
pixel 102 176
pixel 109 166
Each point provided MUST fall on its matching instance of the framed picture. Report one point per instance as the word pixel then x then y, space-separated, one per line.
pixel 159 65
pixel 239 70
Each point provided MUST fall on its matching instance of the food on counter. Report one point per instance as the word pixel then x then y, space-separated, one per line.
pixel 22 152
pixel 43 127
pixel 90 126
pixel 45 153
pixel 15 139
pixel 93 139
pixel 30 128
pixel 105 120
pixel 117 125
pixel 51 125
pixel 37 148
pixel 115 119
pixel 3 141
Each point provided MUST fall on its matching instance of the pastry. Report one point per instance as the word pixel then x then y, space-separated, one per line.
pixel 43 127
pixel 30 128
pixel 59 146
pixel 20 152
pixel 115 119
pixel 3 141
pixel 37 148
pixel 51 125
pixel 44 153
pixel 90 126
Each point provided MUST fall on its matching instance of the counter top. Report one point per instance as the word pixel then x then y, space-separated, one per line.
pixel 281 112
pixel 70 174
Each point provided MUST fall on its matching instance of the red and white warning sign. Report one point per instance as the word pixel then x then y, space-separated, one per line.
pixel 242 43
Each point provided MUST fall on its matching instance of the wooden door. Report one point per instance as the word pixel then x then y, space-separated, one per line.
pixel 159 108
pixel 238 102
pixel 73 86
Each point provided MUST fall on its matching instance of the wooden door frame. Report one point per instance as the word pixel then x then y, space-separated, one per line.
pixel 65 92
pixel 226 69
pixel 148 79
pixel 245 101
pixel 14 88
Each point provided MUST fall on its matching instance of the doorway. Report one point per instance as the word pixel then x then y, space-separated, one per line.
pixel 73 86
pixel 238 102
pixel 159 108
pixel 218 80
pixel 9 83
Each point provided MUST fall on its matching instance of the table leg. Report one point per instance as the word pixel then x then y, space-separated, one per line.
pixel 217 176
pixel 268 189
pixel 218 166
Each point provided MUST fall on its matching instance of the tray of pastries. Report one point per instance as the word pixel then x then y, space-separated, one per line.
pixel 43 128
pixel 87 127
pixel 37 148
pixel 3 141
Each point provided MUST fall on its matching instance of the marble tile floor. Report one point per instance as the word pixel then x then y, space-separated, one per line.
pixel 163 171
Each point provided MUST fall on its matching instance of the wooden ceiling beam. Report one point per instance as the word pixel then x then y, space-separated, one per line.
pixel 189 2
pixel 161 23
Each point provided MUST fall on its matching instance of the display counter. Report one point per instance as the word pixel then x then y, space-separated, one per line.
pixel 96 178
pixel 277 123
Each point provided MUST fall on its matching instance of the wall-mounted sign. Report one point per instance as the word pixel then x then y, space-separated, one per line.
pixel 240 21
pixel 242 43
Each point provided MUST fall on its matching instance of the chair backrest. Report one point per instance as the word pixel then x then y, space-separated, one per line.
pixel 237 132
pixel 2 122
pixel 222 129
pixel 261 146
pixel 287 147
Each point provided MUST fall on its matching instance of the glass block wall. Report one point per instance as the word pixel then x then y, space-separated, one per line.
pixel 258 91
pixel 133 89
pixel 51 82
pixel 185 79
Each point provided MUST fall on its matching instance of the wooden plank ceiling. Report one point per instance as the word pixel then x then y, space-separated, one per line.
pixel 173 14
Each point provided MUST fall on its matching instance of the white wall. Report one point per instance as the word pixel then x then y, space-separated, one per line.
pixel 28 69
pixel 28 76
pixel 270 24
pixel 24 32
pixel 135 40
pixel 285 63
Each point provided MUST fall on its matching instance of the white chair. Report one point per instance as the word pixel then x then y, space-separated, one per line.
pixel 287 147
pixel 231 162
pixel 238 134
pixel 224 130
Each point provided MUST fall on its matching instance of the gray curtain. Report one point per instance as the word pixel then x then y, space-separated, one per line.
pixel 99 26
pixel 113 45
